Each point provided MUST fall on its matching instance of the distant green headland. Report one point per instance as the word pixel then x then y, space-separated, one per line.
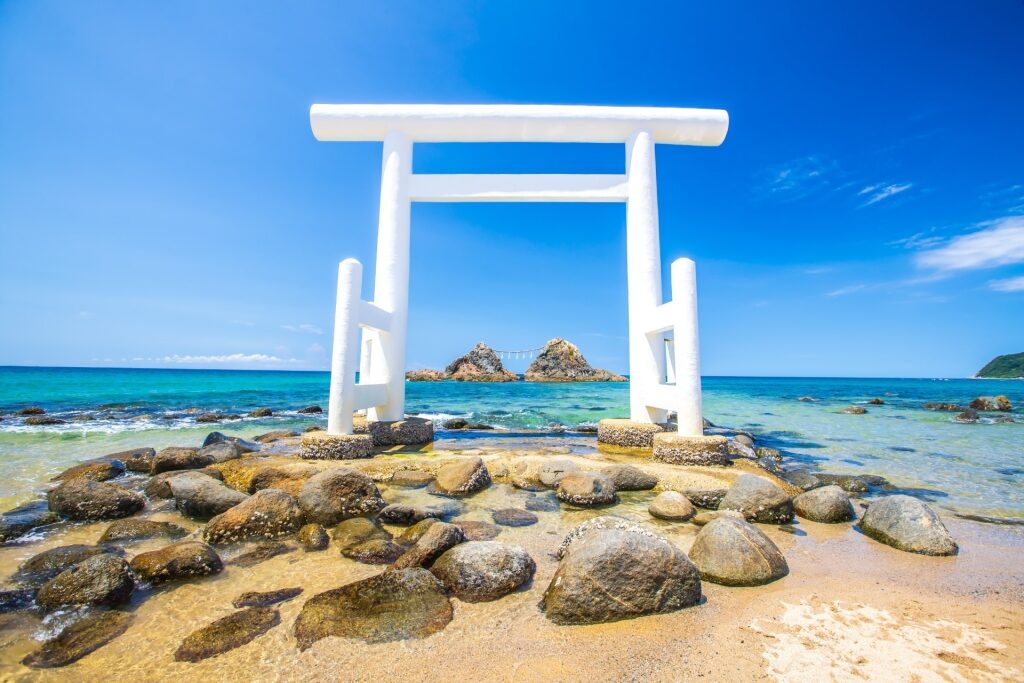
pixel 1010 366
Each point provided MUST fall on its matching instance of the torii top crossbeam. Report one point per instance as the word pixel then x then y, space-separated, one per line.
pixel 517 123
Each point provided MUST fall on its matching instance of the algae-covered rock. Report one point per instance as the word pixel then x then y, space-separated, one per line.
pixel 19 521
pixel 365 541
pixel 102 580
pixel 179 458
pixel 261 553
pixel 434 541
pixel 85 500
pixel 79 639
pixel 394 605
pixel 907 524
pixel 136 459
pixel 405 515
pixel 177 562
pixel 100 470
pixel 612 574
pixel 234 630
pixel 265 514
pixel 267 598
pixel 202 497
pixel 339 494
pixel 128 530
pixel 479 571
pixel 45 565
pixel 314 537
pixel 733 552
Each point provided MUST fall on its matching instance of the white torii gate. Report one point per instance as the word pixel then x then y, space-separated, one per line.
pixel 663 376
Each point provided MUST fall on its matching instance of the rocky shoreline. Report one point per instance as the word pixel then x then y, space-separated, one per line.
pixel 163 520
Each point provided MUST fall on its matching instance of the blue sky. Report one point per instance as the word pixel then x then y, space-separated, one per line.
pixel 164 204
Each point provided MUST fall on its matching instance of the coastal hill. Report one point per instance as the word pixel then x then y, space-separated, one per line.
pixel 1009 366
pixel 559 361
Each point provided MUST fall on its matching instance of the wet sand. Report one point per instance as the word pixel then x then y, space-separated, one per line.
pixel 850 608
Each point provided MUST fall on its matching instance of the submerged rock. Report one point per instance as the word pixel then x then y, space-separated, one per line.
pixel 102 580
pixel 672 506
pixel 478 531
pixel 435 540
pixel 586 489
pixel 93 471
pixel 311 410
pixel 413 534
pixel 479 571
pixel 31 410
pixel 128 530
pixel 19 521
pixel 202 497
pixel 513 517
pixel 265 514
pixel 261 553
pixel 234 630
pixel 733 552
pixel 275 435
pixel 42 421
pixel 854 410
pixel 314 537
pixel 365 541
pixel 338 494
pixel 759 500
pixel 85 500
pixel 561 361
pixel 629 478
pixel 969 416
pixel 827 504
pixel 546 502
pixel 16 599
pixel 49 563
pixel 612 574
pixel 907 524
pixel 179 561
pixel 260 412
pixel 265 599
pixel 950 407
pixel 411 479
pixel 79 639
pixel 394 605
pixel 550 472
pixel 406 515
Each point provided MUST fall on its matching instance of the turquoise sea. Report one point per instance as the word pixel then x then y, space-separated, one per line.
pixel 975 469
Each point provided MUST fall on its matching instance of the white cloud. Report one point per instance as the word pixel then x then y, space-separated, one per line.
pixel 843 291
pixel 1012 284
pixel 307 328
pixel 880 192
pixel 799 178
pixel 918 241
pixel 260 358
pixel 998 243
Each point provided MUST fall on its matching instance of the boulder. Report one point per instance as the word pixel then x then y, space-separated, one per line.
pixel 393 605
pixel 265 514
pixel 526 476
pixel 854 410
pixel 406 515
pixel 424 375
pixel 311 410
pixel 221 452
pixel 243 445
pixel 630 478
pixel 481 364
pixel 84 500
pixel 337 494
pixel 434 541
pixel 265 599
pixel 455 423
pixel 288 478
pixel 733 552
pixel 177 458
pixel 612 574
pixel 987 403
pixel 22 519
pixel 365 541
pixel 129 530
pixel 672 506
pixel 97 470
pixel 827 504
pixel 177 562
pixel 201 497
pixel 708 516
pixel 586 489
pixel 709 499
pixel 479 571
pixel 42 421
pixel 228 633
pixel 759 500
pixel 969 416
pixel 31 410
pixel 260 412
pixel 478 531
pixel 462 478
pixel 602 523
pixel 261 553
pixel 101 580
pixel 551 472
pixel 805 481
pixel 546 502
pixel 561 361
pixel 275 435
pixel 414 533
pixel 876 402
pixel 848 482
pixel 411 479
pixel 314 537
pixel 907 524
pixel 86 635
pixel 43 566
pixel 513 517
pixel 137 459
pixel 949 407
pixel 744 440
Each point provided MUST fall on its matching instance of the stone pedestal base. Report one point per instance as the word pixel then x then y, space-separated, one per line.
pixel 324 446
pixel 674 448
pixel 628 434
pixel 408 432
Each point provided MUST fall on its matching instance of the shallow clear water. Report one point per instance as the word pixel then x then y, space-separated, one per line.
pixel 968 468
